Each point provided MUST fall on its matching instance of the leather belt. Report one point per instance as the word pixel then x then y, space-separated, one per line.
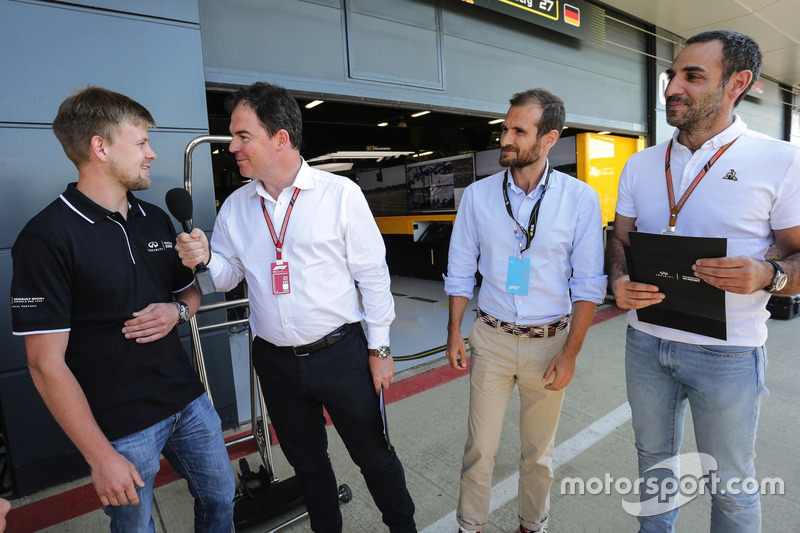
pixel 533 332
pixel 307 349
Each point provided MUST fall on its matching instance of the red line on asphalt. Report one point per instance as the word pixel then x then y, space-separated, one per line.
pixel 82 500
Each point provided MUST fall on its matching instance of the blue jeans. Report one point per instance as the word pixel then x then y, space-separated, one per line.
pixel 337 378
pixel 191 440
pixel 724 386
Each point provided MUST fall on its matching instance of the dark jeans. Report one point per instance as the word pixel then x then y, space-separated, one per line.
pixel 338 378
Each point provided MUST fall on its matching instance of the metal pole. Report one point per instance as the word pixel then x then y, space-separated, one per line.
pixel 187 155
pixel 197 349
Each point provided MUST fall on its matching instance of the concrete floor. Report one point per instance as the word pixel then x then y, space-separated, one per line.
pixel 594 440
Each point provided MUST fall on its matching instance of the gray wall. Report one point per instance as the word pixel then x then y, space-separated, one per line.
pixel 53 49
pixel 149 50
pixel 441 54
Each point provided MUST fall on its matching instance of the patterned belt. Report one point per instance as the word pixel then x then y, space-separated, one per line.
pixel 534 332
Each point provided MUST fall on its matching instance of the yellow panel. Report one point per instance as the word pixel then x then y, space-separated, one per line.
pixel 405 224
pixel 600 162
pixel 389 225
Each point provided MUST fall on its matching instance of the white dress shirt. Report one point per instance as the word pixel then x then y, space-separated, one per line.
pixel 332 242
pixel 752 189
pixel 566 255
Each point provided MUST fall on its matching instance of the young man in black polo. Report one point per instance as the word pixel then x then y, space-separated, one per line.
pixel 97 292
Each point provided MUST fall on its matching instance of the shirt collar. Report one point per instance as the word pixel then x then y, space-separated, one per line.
pixel 303 180
pixel 94 212
pixel 539 186
pixel 722 138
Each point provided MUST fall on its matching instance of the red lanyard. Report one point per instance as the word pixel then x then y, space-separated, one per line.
pixel 278 239
pixel 674 208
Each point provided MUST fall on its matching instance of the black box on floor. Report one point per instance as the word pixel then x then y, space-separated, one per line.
pixel 780 306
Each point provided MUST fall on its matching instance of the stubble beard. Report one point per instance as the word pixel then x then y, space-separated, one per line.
pixel 698 114
pixel 521 160
pixel 138 183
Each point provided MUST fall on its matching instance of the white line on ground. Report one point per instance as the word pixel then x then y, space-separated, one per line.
pixel 506 490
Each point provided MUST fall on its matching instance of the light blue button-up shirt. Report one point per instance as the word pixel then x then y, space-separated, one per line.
pixel 566 255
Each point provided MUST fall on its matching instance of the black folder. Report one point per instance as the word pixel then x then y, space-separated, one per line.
pixel 690 304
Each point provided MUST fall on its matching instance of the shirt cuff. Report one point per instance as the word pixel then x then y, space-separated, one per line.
pixel 589 290
pixel 459 286
pixel 377 336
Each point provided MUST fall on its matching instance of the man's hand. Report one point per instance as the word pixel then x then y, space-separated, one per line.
pixel 151 323
pixel 115 479
pixel 634 295
pixel 193 248
pixel 382 371
pixel 561 370
pixel 739 274
pixel 456 351
pixel 5 507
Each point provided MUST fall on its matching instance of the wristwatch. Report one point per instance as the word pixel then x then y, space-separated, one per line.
pixel 381 353
pixel 778 280
pixel 183 311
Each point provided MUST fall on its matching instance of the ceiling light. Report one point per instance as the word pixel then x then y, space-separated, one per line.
pixel 422 154
pixel 496 121
pixel 315 103
pixel 382 124
pixel 359 154
pixel 603 132
pixel 334 167
pixel 415 115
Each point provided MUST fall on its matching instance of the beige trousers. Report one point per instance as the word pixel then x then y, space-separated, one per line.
pixel 499 361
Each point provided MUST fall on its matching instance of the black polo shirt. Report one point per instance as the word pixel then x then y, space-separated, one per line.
pixel 83 269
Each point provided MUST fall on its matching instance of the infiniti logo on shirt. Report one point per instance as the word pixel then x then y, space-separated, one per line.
pixel 158 246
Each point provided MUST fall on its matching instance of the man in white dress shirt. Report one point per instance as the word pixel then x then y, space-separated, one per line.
pixel 535 235
pixel 307 245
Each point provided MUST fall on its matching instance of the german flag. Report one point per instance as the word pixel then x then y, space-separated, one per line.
pixel 572 15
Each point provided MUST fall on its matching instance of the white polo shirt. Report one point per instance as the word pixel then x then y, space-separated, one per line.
pixel 752 189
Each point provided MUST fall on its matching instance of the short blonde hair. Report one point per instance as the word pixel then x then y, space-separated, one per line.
pixel 94 111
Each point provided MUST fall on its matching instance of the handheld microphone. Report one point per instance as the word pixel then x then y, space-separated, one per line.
pixel 179 203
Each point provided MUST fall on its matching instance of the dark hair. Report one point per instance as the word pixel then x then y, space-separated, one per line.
pixel 275 108
pixel 553 112
pixel 739 52
pixel 94 111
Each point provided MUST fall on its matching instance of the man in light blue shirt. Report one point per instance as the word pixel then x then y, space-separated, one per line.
pixel 536 237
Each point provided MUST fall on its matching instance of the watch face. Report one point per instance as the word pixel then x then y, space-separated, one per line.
pixel 183 312
pixel 780 283
pixel 384 352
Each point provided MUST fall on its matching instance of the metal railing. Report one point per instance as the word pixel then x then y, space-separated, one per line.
pixel 259 427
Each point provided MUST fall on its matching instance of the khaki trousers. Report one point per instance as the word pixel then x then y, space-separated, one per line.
pixel 499 361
